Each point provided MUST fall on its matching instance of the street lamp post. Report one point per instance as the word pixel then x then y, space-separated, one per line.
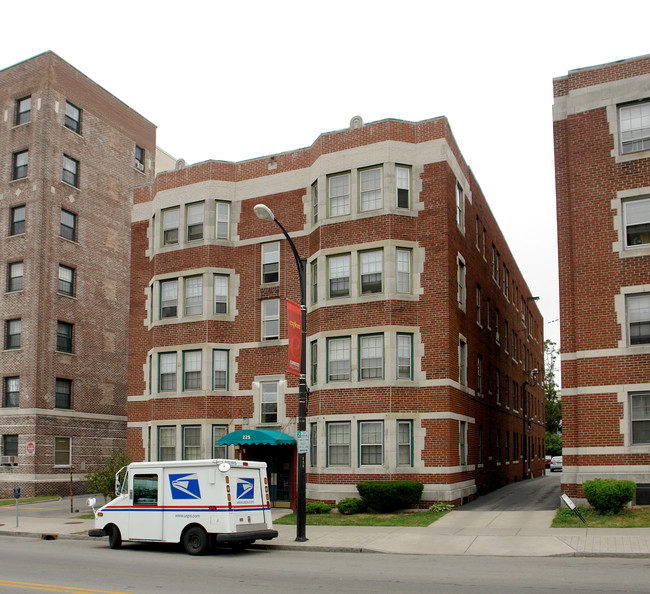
pixel 266 214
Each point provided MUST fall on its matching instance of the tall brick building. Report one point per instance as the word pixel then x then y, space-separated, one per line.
pixel 602 159
pixel 422 335
pixel 71 155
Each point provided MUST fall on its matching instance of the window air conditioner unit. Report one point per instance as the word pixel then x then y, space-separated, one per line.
pixel 139 166
pixel 10 460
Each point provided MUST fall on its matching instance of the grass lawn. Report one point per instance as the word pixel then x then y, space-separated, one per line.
pixel 629 517
pixel 369 519
pixel 22 500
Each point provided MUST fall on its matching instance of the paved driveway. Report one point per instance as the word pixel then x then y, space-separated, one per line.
pixel 538 494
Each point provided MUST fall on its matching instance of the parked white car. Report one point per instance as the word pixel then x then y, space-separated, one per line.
pixel 556 463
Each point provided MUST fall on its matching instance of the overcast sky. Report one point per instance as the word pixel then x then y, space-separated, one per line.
pixel 239 80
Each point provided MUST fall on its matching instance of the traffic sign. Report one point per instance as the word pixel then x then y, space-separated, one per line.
pixel 303 442
pixel 30 448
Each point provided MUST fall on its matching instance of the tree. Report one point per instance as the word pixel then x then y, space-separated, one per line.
pixel 102 478
pixel 553 444
pixel 552 402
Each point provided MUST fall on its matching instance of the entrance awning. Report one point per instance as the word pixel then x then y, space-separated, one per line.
pixel 257 437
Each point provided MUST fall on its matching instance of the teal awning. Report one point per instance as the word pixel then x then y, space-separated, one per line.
pixel 257 437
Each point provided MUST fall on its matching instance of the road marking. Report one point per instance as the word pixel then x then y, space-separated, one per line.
pixel 55 588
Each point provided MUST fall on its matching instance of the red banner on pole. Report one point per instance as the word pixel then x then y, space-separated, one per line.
pixel 295 337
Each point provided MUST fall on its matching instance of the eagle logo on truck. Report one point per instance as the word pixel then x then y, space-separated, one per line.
pixel 185 486
pixel 245 488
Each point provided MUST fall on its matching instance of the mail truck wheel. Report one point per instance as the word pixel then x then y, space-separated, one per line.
pixel 114 537
pixel 195 541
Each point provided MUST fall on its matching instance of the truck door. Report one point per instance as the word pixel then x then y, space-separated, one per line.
pixel 146 514
pixel 249 499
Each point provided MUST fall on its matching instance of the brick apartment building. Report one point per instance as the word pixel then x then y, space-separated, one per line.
pixel 602 159
pixel 422 335
pixel 71 154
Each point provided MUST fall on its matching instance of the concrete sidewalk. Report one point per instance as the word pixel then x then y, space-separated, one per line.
pixel 490 533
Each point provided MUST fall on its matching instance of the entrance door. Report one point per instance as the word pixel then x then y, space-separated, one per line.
pixel 278 468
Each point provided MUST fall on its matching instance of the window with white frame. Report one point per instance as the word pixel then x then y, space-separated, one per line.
pixel 338 444
pixel 636 221
pixel 370 189
pixel 371 268
pixel 191 442
pixel 404 356
pixel 219 451
pixel 223 220
pixel 271 262
pixel 170 222
pixel 66 280
pixel 403 175
pixel 371 443
pixel 270 319
pixel 640 405
pixel 339 275
pixel 479 453
pixel 314 281
pixel 221 282
pixel 314 203
pixel 193 295
pixel 506 330
pixel 404 443
pixel 194 221
pixel 191 370
pixel 62 451
pixel 12 391
pixel 338 359
pixel 478 304
pixel 269 404
pixel 479 374
pixel 460 280
pixel 462 445
pixel 635 127
pixel 339 194
pixel 371 357
pixel 460 208
pixel 166 443
pixel 462 362
pixel 220 369
pixel 638 318
pixel 404 257
pixel 168 298
pixel 167 372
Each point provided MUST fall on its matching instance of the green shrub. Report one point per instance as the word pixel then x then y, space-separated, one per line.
pixel 388 496
pixel 441 507
pixel 608 496
pixel 317 507
pixel 351 505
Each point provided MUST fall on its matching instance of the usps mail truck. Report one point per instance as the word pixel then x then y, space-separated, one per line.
pixel 200 503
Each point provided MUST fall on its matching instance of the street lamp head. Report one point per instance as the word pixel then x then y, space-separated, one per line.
pixel 263 212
